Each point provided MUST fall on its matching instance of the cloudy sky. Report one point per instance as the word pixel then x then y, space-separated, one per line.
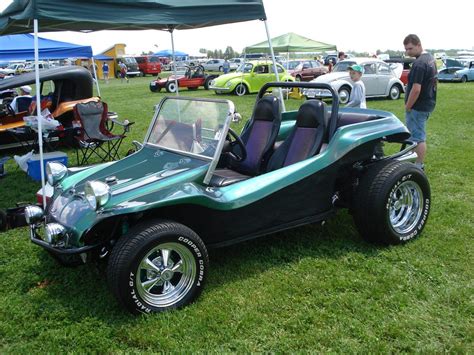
pixel 364 25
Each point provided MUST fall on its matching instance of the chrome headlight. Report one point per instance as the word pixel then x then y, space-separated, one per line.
pixel 55 172
pixel 54 232
pixel 97 193
pixel 33 214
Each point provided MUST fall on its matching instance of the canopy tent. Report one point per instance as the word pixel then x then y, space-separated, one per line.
pixel 169 53
pixel 102 57
pixel 21 47
pixel 290 42
pixel 80 15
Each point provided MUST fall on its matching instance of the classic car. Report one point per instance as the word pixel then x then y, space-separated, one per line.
pixel 192 78
pixel 379 80
pixel 403 68
pixel 148 64
pixel 454 70
pixel 308 70
pixel 196 184
pixel 249 78
pixel 13 69
pixel 61 89
pixel 131 63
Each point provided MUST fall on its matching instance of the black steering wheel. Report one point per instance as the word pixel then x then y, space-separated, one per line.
pixel 234 140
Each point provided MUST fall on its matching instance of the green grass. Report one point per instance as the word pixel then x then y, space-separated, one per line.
pixel 309 289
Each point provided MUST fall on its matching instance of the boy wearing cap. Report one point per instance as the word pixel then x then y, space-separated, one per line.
pixel 357 98
pixel 25 91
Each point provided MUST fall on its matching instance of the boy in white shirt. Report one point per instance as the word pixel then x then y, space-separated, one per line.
pixel 357 98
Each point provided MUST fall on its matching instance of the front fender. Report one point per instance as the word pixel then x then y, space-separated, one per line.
pixel 337 84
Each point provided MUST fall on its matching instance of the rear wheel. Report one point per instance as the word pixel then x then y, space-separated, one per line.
pixel 344 94
pixel 221 69
pixel 394 92
pixel 298 78
pixel 392 202
pixel 241 89
pixel 207 82
pixel 171 86
pixel 157 266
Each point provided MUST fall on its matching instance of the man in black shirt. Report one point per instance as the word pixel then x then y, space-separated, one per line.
pixel 420 95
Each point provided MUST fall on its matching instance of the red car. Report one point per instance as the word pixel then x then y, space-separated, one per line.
pixel 149 64
pixel 193 78
pixel 406 62
pixel 308 70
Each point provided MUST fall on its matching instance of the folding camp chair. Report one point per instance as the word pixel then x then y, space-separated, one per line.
pixel 94 137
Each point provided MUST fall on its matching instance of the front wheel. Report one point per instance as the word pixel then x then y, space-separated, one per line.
pixel 392 202
pixel 171 87
pixel 344 95
pixel 464 79
pixel 241 89
pixel 394 92
pixel 157 266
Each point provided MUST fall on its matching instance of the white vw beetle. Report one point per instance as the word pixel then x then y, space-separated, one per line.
pixel 378 77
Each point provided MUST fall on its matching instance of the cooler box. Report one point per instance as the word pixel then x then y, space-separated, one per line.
pixel 34 170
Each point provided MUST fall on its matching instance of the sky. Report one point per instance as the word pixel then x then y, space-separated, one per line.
pixel 362 26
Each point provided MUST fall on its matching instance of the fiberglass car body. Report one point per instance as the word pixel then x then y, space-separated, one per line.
pixel 454 70
pixel 249 78
pixel 378 78
pixel 193 78
pixel 196 184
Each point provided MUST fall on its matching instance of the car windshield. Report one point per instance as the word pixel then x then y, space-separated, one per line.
pixel 342 66
pixel 192 126
pixel 245 68
pixel 293 64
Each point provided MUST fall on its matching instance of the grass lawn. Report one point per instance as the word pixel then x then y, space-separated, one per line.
pixel 308 289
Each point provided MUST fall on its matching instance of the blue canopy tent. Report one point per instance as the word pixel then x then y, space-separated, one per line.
pixel 21 47
pixel 169 53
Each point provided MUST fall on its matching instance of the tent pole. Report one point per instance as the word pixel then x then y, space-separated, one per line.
pixel 95 76
pixel 38 111
pixel 274 63
pixel 174 62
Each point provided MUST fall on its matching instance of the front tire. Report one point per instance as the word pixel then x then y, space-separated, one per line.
pixel 464 79
pixel 344 95
pixel 241 89
pixel 392 202
pixel 171 87
pixel 157 266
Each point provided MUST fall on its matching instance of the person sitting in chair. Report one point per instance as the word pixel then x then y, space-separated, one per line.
pixel 21 102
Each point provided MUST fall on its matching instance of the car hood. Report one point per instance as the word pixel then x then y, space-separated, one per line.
pixel 452 63
pixel 226 77
pixel 329 77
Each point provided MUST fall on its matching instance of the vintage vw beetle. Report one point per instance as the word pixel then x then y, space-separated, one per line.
pixel 196 184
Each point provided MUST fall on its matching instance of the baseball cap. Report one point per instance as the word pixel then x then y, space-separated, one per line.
pixel 26 88
pixel 356 67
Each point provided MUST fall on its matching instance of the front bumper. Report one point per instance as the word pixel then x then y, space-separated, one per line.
pixel 219 89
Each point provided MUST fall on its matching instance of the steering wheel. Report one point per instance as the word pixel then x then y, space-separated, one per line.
pixel 234 140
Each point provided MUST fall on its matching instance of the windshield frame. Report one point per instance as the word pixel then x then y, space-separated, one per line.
pixel 225 129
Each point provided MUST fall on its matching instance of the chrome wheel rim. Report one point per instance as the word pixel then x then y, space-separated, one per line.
pixel 166 274
pixel 240 90
pixel 394 92
pixel 343 96
pixel 172 87
pixel 406 207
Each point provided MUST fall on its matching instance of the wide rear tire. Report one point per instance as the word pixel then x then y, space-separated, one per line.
pixel 392 202
pixel 157 266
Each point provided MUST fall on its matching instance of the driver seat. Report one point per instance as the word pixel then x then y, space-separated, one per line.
pixel 259 137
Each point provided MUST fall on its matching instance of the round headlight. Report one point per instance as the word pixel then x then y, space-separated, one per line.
pixel 55 172
pixel 54 232
pixel 33 214
pixel 228 84
pixel 97 193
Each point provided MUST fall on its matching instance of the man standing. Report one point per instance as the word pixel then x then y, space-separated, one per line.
pixel 105 71
pixel 420 95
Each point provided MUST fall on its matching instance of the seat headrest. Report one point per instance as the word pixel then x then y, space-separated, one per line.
pixel 267 108
pixel 312 114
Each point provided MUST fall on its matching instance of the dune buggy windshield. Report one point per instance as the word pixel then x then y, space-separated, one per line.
pixel 193 127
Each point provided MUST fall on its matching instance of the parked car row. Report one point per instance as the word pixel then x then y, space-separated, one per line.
pixel 454 70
